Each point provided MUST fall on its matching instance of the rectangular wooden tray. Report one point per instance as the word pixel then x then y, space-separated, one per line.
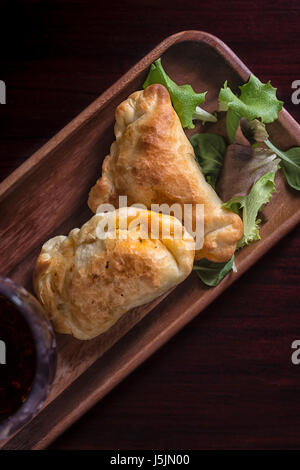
pixel 47 195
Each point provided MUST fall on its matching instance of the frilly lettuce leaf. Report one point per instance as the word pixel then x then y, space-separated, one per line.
pixel 212 273
pixel 183 97
pixel 210 150
pixel 251 204
pixel 257 100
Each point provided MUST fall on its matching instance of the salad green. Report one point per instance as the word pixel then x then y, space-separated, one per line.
pixel 184 99
pixel 212 273
pixel 210 151
pixel 255 131
pixel 251 204
pixel 242 167
pixel 290 161
pixel 257 100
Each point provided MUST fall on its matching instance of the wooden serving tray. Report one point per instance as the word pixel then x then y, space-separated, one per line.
pixel 47 196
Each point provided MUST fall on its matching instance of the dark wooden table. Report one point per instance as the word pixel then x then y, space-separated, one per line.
pixel 226 381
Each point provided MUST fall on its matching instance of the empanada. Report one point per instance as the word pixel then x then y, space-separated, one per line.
pixel 153 162
pixel 115 262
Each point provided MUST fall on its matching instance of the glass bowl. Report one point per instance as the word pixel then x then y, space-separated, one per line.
pixel 45 352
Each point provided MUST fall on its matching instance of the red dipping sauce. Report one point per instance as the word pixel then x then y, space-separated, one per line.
pixel 18 358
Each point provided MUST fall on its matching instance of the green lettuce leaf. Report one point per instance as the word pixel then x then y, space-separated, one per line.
pixel 210 150
pixel 290 161
pixel 184 98
pixel 257 100
pixel 232 123
pixel 212 273
pixel 251 204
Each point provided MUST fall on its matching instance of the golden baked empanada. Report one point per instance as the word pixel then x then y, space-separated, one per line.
pixel 87 280
pixel 152 162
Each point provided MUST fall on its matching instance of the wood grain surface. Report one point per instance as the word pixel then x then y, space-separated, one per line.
pixel 227 380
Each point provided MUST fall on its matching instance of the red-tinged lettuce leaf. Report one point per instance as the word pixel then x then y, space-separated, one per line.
pixel 255 131
pixel 242 167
